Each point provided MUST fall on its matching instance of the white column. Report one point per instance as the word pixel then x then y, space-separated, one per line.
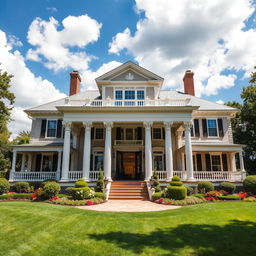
pixel 14 157
pixel 58 165
pixel 29 162
pixel 233 162
pixel 148 151
pixel 188 149
pixel 182 162
pixel 23 162
pixel 241 159
pixel 168 150
pixel 107 151
pixel 87 150
pixel 66 151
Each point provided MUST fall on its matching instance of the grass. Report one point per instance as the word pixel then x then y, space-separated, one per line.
pixel 207 230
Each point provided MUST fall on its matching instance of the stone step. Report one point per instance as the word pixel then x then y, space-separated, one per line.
pixel 115 197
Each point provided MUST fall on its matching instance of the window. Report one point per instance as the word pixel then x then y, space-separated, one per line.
pixel 51 128
pixel 47 163
pixel 216 163
pixel 157 133
pixel 140 95
pixel 99 133
pixel 119 95
pixel 158 159
pixel 129 95
pixel 212 127
pixel 129 133
pixel 98 161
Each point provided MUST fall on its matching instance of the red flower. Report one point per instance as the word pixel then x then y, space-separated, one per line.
pixel 89 202
pixel 242 195
pixel 54 198
pixel 210 198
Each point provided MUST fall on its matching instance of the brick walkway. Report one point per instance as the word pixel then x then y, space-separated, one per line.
pixel 128 206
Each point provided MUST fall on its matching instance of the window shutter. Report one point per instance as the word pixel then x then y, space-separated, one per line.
pixel 92 133
pixel 163 132
pixel 91 162
pixel 55 162
pixel 59 128
pixel 199 162
pixel 191 132
pixel 208 162
pixel 38 162
pixel 205 133
pixel 224 162
pixel 43 128
pixel 196 126
pixel 118 133
pixel 220 125
pixel 139 133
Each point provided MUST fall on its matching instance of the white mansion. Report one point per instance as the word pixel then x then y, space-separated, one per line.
pixel 128 128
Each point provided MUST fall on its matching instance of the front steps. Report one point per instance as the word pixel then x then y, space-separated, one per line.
pixel 128 190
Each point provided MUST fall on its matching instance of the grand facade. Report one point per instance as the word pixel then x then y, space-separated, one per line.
pixel 129 127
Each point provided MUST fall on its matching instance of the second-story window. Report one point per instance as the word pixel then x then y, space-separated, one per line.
pixel 212 127
pixel 99 134
pixel 51 128
pixel 140 95
pixel 129 95
pixel 157 134
pixel 119 95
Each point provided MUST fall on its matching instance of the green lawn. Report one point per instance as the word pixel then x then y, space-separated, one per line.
pixel 210 229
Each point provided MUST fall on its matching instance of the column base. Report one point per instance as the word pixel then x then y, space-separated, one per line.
pixel 191 179
pixel 85 179
pixel 64 180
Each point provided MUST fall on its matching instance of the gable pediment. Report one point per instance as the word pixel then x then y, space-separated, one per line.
pixel 128 75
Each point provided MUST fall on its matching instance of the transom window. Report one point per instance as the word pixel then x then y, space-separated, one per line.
pixel 158 160
pixel 99 133
pixel 98 160
pixel 51 128
pixel 216 162
pixel 157 134
pixel 212 127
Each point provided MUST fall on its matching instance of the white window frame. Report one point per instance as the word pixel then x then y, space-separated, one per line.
pixel 159 153
pixel 130 89
pixel 221 164
pixel 46 130
pixel 217 127
pixel 97 153
pixel 95 133
pixel 157 127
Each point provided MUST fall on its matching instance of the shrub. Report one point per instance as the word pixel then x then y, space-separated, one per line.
pixel 190 191
pixel 35 184
pixel 21 187
pixel 229 197
pixel 188 201
pixel 250 199
pixel 80 193
pixel 155 182
pixel 100 182
pixel 177 193
pixel 157 195
pixel 51 189
pixel 38 194
pixel 227 186
pixel 249 184
pixel 205 186
pixel 100 195
pixel 176 183
pixel 175 178
pixel 4 186
pixel 199 195
pixel 81 183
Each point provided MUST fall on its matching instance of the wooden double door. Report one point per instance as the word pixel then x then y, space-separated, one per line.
pixel 129 165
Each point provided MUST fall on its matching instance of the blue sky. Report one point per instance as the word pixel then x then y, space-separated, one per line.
pixel 215 39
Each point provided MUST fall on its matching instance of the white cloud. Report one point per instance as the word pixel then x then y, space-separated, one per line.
pixel 220 102
pixel 55 46
pixel 29 89
pixel 205 36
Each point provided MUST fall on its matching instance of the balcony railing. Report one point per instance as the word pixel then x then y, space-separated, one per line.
pixel 75 175
pixel 128 103
pixel 128 142
pixel 34 176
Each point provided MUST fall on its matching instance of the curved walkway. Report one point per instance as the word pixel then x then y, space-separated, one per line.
pixel 129 206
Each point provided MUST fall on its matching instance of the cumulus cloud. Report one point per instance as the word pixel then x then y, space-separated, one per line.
pixel 29 89
pixel 54 46
pixel 205 36
pixel 220 102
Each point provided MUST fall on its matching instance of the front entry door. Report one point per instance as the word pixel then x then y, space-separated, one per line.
pixel 129 165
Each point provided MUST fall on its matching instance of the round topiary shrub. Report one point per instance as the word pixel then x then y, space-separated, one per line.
pixel 249 184
pixel 100 195
pixel 227 186
pixel 80 193
pixel 157 195
pixel 176 193
pixel 51 189
pixel 4 186
pixel 204 187
pixel 81 183
pixel 21 187
pixel 176 183
pixel 175 178
pixel 100 182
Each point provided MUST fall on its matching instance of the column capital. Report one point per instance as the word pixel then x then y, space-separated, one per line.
pixel 87 125
pixel 148 124
pixel 188 125
pixel 67 125
pixel 168 125
pixel 108 125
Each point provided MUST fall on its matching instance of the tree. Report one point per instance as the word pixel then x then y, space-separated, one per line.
pixel 22 138
pixel 6 101
pixel 244 125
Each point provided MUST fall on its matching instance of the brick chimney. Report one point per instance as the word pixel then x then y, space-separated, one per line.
pixel 75 80
pixel 189 83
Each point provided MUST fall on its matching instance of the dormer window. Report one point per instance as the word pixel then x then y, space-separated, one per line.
pixel 129 94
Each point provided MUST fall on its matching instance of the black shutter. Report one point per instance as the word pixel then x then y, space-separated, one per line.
pixel 118 133
pixel 208 162
pixel 196 126
pixel 43 128
pixel 199 162
pixel 38 162
pixel 224 162
pixel 163 133
pixel 139 133
pixel 92 133
pixel 55 162
pixel 220 125
pixel 205 133
pixel 91 163
pixel 59 128
pixel 192 131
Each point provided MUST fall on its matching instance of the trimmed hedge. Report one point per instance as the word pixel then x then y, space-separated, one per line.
pixel 15 196
pixel 4 186
pixel 100 195
pixel 21 187
pixel 175 178
pixel 81 183
pixel 100 182
pixel 80 193
pixel 230 197
pixel 176 183
pixel 249 184
pixel 157 195
pixel 176 193
pixel 204 187
pixel 227 186
pixel 51 189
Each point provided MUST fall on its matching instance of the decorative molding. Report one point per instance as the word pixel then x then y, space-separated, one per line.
pixel 148 125
pixel 188 125
pixel 87 125
pixel 129 76
pixel 168 125
pixel 108 125
pixel 67 125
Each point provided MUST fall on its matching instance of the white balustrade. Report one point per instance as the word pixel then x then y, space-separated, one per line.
pixel 129 142
pixel 162 175
pixel 93 175
pixel 75 175
pixel 34 176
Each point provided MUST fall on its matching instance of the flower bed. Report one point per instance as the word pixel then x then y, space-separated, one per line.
pixel 15 196
pixel 66 201
pixel 190 200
